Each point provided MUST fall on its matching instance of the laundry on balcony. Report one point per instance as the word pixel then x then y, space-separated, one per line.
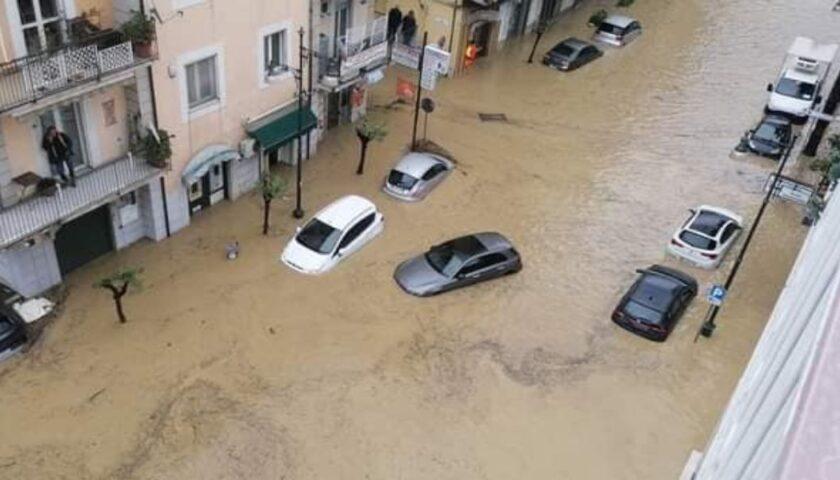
pixel 277 129
pixel 207 158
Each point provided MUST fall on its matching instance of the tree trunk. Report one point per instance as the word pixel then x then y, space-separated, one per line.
pixel 118 303
pixel 266 211
pixel 361 168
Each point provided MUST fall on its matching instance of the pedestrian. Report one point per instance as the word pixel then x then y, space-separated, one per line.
pixel 59 149
pixel 471 54
pixel 409 28
pixel 395 18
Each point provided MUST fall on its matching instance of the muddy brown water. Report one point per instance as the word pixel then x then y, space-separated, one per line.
pixel 246 370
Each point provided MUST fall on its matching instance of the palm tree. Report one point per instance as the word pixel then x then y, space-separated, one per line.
pixel 118 283
pixel 368 130
pixel 271 187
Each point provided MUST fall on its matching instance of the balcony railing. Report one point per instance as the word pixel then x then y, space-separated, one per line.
pixel 31 78
pixel 363 48
pixel 95 188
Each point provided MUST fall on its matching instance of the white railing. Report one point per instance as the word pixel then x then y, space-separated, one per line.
pixel 40 212
pixel 362 47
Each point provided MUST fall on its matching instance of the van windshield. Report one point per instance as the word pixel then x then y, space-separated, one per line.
pixel 796 89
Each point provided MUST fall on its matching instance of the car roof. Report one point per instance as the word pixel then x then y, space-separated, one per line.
pixel 656 290
pixel 340 213
pixel 574 42
pixel 708 222
pixel 493 241
pixel 619 20
pixel 416 164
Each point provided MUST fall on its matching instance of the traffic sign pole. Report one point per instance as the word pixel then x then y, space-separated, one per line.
pixel 419 92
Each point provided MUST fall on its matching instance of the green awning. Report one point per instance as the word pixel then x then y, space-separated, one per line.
pixel 278 131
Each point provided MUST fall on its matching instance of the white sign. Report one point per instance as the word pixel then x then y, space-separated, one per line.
pixel 435 62
pixel 405 55
pixel 364 59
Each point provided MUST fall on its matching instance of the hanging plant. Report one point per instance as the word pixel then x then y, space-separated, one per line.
pixel 157 150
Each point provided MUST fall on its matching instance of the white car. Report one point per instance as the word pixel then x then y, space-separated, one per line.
pixel 795 93
pixel 618 30
pixel 335 232
pixel 706 236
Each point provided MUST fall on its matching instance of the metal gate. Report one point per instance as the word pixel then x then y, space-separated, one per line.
pixel 84 240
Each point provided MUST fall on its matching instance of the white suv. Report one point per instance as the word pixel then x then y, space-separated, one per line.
pixel 706 236
pixel 335 232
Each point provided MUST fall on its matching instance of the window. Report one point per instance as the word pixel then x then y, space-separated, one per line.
pixel 202 87
pixel 274 53
pixel 483 262
pixel 41 23
pixel 434 171
pixel 727 232
pixel 357 230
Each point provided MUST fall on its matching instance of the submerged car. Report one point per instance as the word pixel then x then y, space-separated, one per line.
pixel 770 137
pixel 335 232
pixel 457 263
pixel 570 54
pixel 617 30
pixel 706 236
pixel 655 302
pixel 15 312
pixel 416 175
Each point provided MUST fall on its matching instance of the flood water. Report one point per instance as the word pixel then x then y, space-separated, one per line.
pixel 246 370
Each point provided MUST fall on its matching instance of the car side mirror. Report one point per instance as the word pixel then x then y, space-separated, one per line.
pixel 769 87
pixel 338 253
pixel 298 229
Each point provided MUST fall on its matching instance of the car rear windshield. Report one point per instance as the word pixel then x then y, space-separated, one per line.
pixel 610 28
pixel 696 240
pixel 447 258
pixel 318 236
pixel 643 313
pixel 768 132
pixel 401 180
pixel 796 89
pixel 563 50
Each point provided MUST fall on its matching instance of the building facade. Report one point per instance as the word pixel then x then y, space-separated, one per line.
pixel 221 79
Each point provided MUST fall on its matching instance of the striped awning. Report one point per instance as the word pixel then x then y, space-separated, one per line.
pixel 203 161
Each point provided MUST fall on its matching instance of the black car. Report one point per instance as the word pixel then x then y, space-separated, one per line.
pixel 770 137
pixel 570 54
pixel 655 302
pixel 12 331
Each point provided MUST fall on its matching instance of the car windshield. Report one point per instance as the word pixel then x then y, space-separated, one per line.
pixel 708 223
pixel 448 258
pixel 563 50
pixel 401 180
pixel 767 132
pixel 610 28
pixel 696 240
pixel 796 89
pixel 643 313
pixel 318 236
pixel 6 326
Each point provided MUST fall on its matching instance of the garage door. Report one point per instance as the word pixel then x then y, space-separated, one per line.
pixel 83 240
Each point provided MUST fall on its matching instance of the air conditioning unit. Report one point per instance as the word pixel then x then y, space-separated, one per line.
pixel 807 64
pixel 246 147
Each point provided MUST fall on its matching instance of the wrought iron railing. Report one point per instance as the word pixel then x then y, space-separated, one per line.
pixel 39 212
pixel 88 59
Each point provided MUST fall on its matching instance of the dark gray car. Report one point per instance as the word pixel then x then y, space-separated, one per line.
pixel 457 263
pixel 570 54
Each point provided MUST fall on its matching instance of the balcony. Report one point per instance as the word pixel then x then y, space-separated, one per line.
pixel 362 50
pixel 93 189
pixel 87 59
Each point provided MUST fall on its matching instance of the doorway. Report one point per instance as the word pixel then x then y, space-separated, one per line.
pixel 481 33
pixel 338 108
pixel 83 240
pixel 67 118
pixel 209 189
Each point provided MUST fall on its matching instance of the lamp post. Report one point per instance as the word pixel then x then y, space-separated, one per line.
pixel 298 211
pixel 541 27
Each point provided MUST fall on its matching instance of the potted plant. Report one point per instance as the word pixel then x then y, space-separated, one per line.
pixel 140 31
pixel 156 149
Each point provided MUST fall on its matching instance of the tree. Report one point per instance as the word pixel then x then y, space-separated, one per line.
pixel 368 130
pixel 118 283
pixel 271 187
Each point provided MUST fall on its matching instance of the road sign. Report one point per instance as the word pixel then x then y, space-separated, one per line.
pixel 435 62
pixel 716 295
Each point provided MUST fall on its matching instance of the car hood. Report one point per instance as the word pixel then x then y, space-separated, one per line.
pixel 794 106
pixel 418 277
pixel 303 259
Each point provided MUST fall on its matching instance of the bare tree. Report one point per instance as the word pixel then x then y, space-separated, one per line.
pixel 118 284
pixel 368 130
pixel 271 187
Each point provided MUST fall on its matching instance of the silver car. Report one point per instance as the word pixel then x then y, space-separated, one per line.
pixel 618 30
pixel 417 174
pixel 458 263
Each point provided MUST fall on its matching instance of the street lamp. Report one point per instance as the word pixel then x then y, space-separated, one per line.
pixel 541 28
pixel 298 72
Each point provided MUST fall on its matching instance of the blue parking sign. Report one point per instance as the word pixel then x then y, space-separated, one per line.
pixel 717 294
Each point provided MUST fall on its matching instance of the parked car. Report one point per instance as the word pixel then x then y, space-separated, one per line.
pixel 15 312
pixel 416 175
pixel 333 234
pixel 617 30
pixel 457 263
pixel 804 70
pixel 655 302
pixel 706 236
pixel 771 137
pixel 570 54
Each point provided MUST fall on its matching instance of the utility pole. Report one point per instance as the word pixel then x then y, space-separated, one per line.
pixel 709 325
pixel 419 91
pixel 541 27
pixel 298 211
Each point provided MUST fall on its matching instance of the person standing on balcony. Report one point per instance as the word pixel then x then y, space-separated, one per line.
pixel 59 149
pixel 395 18
pixel 409 27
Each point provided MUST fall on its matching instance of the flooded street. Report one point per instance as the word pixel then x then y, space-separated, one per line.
pixel 246 370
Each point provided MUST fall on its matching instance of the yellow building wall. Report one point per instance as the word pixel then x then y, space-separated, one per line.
pixel 99 12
